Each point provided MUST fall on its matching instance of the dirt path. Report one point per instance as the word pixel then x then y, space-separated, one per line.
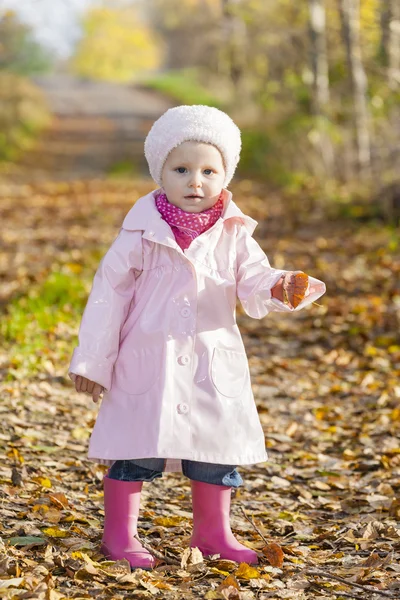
pixel 95 126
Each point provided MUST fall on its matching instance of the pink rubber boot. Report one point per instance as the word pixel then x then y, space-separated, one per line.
pixel 212 532
pixel 121 507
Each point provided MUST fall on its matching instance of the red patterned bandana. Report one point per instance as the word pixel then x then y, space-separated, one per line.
pixel 187 226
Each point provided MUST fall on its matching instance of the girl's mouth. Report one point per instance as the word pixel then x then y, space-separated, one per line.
pixel 194 196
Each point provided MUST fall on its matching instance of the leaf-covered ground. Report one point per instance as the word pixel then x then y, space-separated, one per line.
pixel 326 381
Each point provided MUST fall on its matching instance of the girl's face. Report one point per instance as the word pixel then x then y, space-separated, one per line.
pixel 193 176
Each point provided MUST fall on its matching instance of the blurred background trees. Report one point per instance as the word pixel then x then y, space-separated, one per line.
pixel 19 53
pixel 115 46
pixel 315 85
pixel 23 109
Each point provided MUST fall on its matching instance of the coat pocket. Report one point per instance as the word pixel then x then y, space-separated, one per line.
pixel 136 371
pixel 228 371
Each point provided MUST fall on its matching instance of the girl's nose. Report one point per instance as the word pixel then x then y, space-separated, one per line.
pixel 195 181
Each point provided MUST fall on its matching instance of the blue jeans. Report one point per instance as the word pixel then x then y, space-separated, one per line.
pixel 147 469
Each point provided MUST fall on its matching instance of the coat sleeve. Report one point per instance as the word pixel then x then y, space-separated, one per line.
pixel 255 279
pixel 106 309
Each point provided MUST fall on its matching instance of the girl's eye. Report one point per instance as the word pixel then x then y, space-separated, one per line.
pixel 183 169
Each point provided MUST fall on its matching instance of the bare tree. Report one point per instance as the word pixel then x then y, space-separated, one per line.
pixel 319 62
pixel 350 19
pixel 234 33
pixel 385 18
pixel 319 57
pixel 390 40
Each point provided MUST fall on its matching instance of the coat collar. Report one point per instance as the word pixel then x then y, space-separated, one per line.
pixel 145 217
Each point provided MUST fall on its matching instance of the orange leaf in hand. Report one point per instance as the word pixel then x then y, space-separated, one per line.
pixel 300 288
pixel 295 286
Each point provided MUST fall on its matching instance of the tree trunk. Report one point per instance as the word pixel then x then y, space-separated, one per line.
pixel 385 18
pixel 390 40
pixel 350 19
pixel 394 44
pixel 234 34
pixel 319 56
pixel 319 62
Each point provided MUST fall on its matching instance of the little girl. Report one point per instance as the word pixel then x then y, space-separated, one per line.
pixel 159 336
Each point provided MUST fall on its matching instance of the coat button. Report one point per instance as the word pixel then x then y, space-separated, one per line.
pixel 184 360
pixel 185 312
pixel 182 409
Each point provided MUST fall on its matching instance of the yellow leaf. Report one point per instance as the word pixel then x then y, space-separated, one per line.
pixel 245 571
pixel 43 481
pixel 395 414
pixel 321 413
pixel 42 507
pixel 80 433
pixel 296 561
pixel 230 581
pixel 393 349
pixel 370 351
pixel 218 571
pixel 74 267
pixel 168 521
pixel 16 455
pixel 162 585
pixel 55 532
pixel 336 388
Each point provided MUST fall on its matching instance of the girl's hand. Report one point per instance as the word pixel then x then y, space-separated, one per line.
pixel 292 288
pixel 82 384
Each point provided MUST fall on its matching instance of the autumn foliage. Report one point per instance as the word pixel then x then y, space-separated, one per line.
pixel 323 512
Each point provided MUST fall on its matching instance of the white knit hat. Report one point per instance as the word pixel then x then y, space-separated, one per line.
pixel 192 123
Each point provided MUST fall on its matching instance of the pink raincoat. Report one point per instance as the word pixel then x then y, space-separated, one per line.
pixel 159 333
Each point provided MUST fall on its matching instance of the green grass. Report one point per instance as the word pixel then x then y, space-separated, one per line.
pixel 39 329
pixel 185 87
pixel 123 168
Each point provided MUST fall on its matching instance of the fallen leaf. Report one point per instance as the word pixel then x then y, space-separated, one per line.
pixel 6 583
pixel 29 540
pixel 154 591
pixel 43 481
pixel 245 571
pixel 55 532
pixel 274 554
pixel 168 521
pixel 229 582
pixel 59 499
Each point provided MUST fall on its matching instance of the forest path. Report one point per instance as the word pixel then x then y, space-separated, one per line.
pixel 326 383
pixel 95 126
